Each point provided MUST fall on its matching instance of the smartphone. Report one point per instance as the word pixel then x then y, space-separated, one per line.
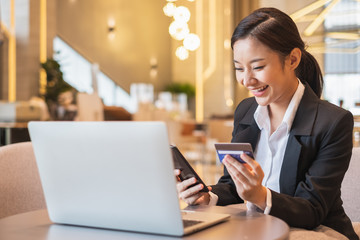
pixel 233 149
pixel 186 170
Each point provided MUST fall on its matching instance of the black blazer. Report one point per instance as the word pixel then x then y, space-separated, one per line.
pixel 316 158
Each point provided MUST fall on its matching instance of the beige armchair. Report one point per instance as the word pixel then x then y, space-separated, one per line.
pixel 350 190
pixel 20 186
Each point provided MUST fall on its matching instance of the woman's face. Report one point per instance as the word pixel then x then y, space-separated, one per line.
pixel 260 70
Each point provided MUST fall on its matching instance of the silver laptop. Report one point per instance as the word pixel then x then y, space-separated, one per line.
pixel 116 175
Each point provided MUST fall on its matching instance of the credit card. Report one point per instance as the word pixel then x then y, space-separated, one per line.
pixel 234 154
pixel 233 149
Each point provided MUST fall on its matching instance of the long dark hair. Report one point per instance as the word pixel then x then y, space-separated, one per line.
pixel 276 30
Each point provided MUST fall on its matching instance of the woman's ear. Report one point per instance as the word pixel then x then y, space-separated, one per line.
pixel 294 58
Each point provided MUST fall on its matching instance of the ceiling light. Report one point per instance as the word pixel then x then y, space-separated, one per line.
pixel 182 53
pixel 169 9
pixel 302 12
pixel 178 30
pixel 191 42
pixel 182 14
pixel 316 23
pixel 343 35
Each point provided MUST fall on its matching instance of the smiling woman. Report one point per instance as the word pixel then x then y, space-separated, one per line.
pixel 302 144
pixel 269 78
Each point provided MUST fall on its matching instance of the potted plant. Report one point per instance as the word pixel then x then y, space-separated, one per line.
pixel 177 88
pixel 59 95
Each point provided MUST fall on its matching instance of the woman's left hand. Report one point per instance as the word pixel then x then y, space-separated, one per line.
pixel 248 178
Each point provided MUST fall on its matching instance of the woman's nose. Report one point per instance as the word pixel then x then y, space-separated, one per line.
pixel 247 78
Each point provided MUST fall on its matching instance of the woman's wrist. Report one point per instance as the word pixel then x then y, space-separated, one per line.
pixel 261 199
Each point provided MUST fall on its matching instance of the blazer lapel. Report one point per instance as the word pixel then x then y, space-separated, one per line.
pixel 301 127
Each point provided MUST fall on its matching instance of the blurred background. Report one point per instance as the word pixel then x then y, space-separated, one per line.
pixel 158 60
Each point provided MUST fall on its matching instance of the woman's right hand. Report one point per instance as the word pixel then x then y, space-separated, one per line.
pixel 192 195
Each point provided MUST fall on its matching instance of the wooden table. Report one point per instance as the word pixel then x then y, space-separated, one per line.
pixel 243 224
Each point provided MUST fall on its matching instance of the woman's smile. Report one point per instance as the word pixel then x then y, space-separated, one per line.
pixel 257 92
pixel 267 76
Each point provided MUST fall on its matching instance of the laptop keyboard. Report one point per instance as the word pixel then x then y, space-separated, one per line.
pixel 189 223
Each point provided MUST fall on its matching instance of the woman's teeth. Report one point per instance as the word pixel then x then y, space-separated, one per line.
pixel 260 89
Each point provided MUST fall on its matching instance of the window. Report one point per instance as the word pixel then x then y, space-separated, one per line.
pixel 342 56
pixel 78 72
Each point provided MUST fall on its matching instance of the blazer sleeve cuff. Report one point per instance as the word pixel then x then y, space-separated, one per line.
pixel 213 199
pixel 253 207
pixel 268 202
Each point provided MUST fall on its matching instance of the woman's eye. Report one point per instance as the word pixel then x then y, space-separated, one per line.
pixel 239 69
pixel 258 68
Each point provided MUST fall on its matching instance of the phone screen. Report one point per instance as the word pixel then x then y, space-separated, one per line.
pixel 186 170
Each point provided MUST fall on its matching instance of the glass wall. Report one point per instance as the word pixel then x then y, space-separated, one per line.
pixel 342 55
pixel 85 76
